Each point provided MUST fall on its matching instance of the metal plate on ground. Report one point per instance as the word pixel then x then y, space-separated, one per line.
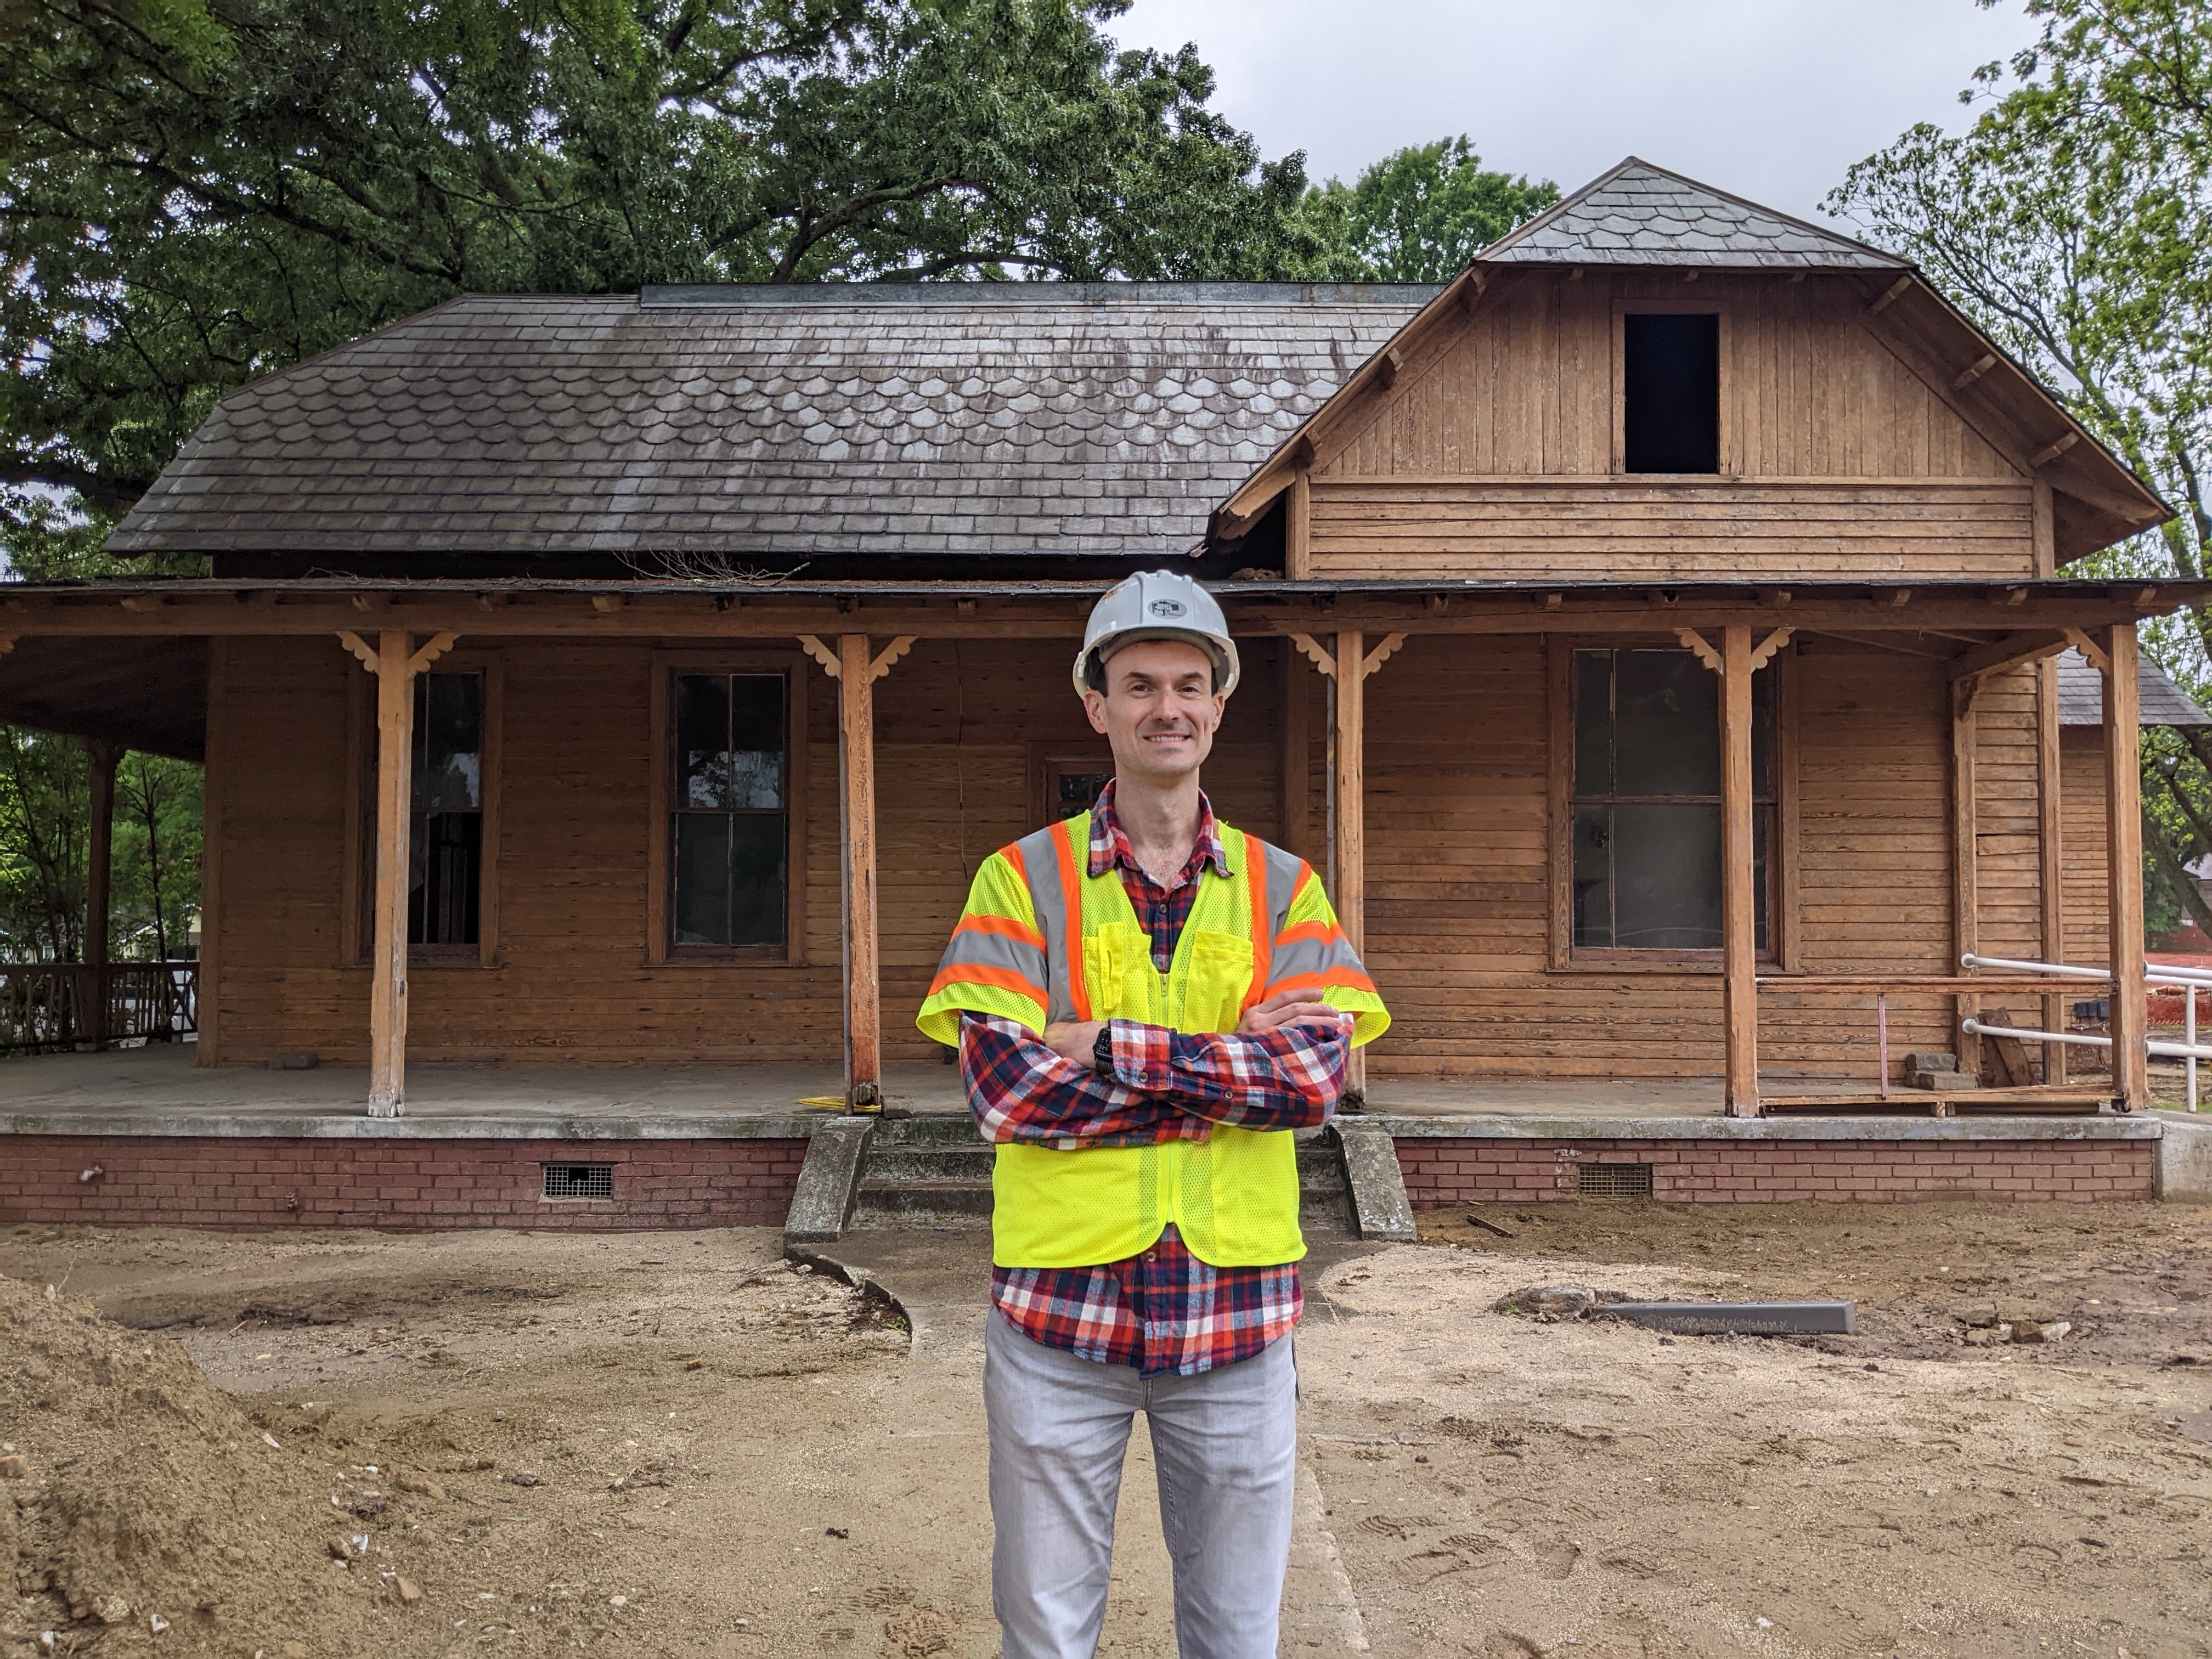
pixel 1744 1318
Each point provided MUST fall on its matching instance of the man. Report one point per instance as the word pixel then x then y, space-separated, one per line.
pixel 1146 1002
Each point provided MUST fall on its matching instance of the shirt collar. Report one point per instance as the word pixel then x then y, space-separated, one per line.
pixel 1109 846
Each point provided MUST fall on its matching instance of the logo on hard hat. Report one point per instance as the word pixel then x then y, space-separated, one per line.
pixel 1167 607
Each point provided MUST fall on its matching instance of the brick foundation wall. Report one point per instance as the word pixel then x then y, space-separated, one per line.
pixel 1443 1171
pixel 256 1182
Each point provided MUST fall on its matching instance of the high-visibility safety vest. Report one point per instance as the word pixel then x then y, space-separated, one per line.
pixel 1043 940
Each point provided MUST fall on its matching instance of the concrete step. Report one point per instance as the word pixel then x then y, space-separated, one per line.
pixel 935 1172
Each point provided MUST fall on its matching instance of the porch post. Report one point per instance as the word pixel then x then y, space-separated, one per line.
pixel 1298 751
pixel 395 801
pixel 856 743
pixel 1349 784
pixel 2123 867
pixel 2051 841
pixel 101 758
pixel 1739 878
pixel 1966 903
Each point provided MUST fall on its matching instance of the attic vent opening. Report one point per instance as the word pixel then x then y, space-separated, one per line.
pixel 580 1180
pixel 1671 387
pixel 1613 1181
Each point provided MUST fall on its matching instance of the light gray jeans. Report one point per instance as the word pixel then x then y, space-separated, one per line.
pixel 1226 1445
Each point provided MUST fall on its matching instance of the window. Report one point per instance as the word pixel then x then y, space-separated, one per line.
pixel 1645 811
pixel 1072 788
pixel 1671 391
pixel 729 828
pixel 446 845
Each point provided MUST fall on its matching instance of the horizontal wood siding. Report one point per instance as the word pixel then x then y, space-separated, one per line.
pixel 1457 866
pixel 1588 531
pixel 1456 877
pixel 2081 844
pixel 958 726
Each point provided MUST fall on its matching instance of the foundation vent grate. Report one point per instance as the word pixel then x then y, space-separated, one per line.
pixel 1613 1181
pixel 583 1181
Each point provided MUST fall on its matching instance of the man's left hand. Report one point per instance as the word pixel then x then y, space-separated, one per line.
pixel 1290 1008
pixel 1075 1039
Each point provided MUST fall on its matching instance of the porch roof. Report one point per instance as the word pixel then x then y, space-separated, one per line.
pixel 2081 694
pixel 124 658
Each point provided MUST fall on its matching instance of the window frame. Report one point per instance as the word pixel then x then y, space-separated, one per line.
pixel 1048 761
pixel 661 950
pixel 1563 955
pixel 1730 464
pixel 357 898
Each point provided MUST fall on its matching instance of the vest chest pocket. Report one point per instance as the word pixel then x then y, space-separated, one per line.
pixel 1218 974
pixel 1117 968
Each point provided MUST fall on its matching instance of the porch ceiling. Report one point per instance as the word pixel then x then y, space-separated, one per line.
pixel 146 693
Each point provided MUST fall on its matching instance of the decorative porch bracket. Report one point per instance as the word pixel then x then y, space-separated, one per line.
pixel 1735 662
pixel 856 673
pixel 1348 667
pixel 395 667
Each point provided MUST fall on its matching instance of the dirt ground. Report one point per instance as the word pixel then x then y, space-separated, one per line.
pixel 676 1444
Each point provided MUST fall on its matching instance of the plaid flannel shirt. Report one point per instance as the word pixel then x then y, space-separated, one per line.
pixel 1163 1310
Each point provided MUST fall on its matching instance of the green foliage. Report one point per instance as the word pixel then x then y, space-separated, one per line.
pixel 1417 216
pixel 45 828
pixel 42 847
pixel 156 870
pixel 197 192
pixel 2073 222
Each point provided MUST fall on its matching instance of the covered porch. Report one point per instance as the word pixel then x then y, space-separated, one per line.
pixel 1468 916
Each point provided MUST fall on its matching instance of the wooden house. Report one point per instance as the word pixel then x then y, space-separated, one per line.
pixel 1651 632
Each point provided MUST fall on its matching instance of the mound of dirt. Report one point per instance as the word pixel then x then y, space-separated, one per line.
pixel 141 1507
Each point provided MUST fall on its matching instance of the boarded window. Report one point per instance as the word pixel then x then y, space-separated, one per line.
pixel 1647 802
pixel 730 821
pixel 445 849
pixel 1671 391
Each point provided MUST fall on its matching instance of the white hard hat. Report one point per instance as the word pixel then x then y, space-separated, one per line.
pixel 1158 605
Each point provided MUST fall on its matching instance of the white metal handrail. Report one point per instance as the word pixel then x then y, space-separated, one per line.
pixel 2188 981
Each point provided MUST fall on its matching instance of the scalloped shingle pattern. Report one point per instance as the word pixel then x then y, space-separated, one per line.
pixel 1640 214
pixel 1083 420
pixel 2081 694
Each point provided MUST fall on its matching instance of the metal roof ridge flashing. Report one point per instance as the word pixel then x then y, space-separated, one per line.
pixel 683 295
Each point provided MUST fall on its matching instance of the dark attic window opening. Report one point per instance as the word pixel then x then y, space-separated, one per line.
pixel 1671 375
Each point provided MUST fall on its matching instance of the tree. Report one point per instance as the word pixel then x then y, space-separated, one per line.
pixel 1419 214
pixel 156 850
pixel 43 818
pixel 2073 223
pixel 195 192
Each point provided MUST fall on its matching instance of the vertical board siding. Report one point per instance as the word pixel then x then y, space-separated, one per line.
pixel 1526 391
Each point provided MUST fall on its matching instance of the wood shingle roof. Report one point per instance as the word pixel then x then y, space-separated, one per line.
pixel 1640 214
pixel 1005 419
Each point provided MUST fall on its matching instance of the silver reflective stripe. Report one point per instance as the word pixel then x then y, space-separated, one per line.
pixel 1282 882
pixel 967 949
pixel 1041 863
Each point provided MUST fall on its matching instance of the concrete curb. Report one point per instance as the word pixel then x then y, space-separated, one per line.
pixel 2137 1126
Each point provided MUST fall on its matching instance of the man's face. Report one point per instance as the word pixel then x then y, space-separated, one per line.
pixel 1159 709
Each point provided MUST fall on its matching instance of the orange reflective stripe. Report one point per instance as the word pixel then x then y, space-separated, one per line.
pixel 1003 926
pixel 1350 977
pixel 1311 932
pixel 1255 878
pixel 1004 979
pixel 1071 899
pixel 1013 854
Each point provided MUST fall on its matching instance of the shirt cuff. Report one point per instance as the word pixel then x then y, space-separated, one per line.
pixel 1143 1058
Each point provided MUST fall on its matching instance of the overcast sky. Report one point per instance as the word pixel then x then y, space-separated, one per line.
pixel 1769 98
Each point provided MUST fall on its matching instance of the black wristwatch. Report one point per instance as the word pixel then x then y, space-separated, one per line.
pixel 1102 1052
